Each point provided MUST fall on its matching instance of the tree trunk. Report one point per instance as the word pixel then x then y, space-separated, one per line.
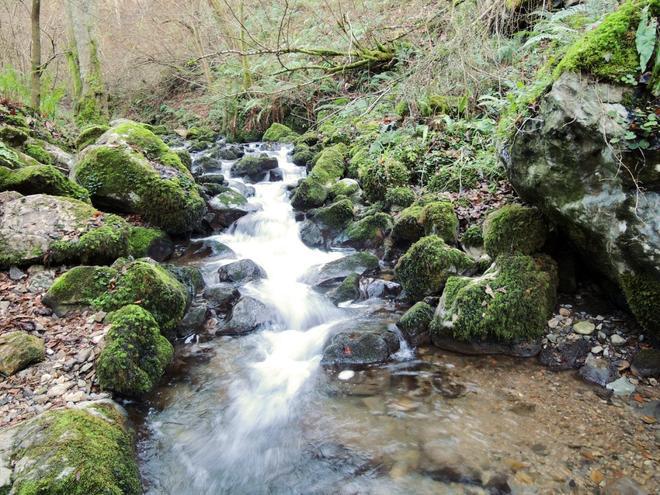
pixel 91 100
pixel 36 55
pixel 247 77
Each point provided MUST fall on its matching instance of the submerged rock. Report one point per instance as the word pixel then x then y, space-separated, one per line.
pixel 18 350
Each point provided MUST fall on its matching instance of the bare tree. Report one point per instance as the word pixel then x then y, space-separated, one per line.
pixel 36 54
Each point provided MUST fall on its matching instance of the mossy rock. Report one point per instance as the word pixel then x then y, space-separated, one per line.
pixel 132 170
pixel 254 167
pixel 609 52
pixel 309 138
pixel 642 293
pixel 348 289
pixel 39 228
pixel 18 350
pixel 370 231
pixel 336 215
pixel 184 156
pixel 149 242
pixel 415 323
pixel 399 197
pixel 408 226
pixel 41 179
pixel 514 229
pixel 89 135
pixel 135 354
pixel 511 302
pixel 314 189
pixel 9 158
pixel 345 187
pixel 473 237
pixel 110 288
pixel 14 136
pixel 78 451
pixel 426 266
pixel 35 150
pixel 438 218
pixel 377 177
pixel 279 133
pixel 303 155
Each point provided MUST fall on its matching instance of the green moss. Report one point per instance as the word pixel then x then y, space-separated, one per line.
pixel 184 157
pixel 345 187
pixel 101 244
pixel 230 198
pixel 451 178
pixel 37 151
pixel 642 293
pixel 313 190
pixel 512 301
pixel 76 452
pixel 135 354
pixel 140 240
pixel 167 197
pixel 8 157
pixel 309 194
pixel 438 218
pixel 41 179
pixel 472 237
pixel 89 135
pixel 609 52
pixel 79 287
pixel 303 155
pixel 377 177
pixel 514 229
pixel 348 290
pixel 400 197
pixel 408 225
pixel 254 166
pixel 200 134
pixel 417 319
pixel 279 133
pixel 14 136
pixel 370 230
pixel 425 267
pixel 337 215
pixel 309 138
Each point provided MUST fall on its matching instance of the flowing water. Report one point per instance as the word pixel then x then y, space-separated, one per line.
pixel 260 416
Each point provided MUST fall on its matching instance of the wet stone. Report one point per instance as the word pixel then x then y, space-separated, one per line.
pixel 598 371
pixel 567 355
pixel 359 348
pixel 584 327
pixel 222 297
pixel 247 315
pixel 646 363
pixel 242 271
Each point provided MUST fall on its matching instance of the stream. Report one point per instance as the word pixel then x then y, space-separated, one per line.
pixel 260 416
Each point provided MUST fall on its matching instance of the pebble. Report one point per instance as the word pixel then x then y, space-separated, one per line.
pixel 59 389
pixel 602 336
pixel 346 375
pixel 584 327
pixel 616 339
pixel 596 349
pixel 564 312
pixel 16 274
pixel 621 387
pixel 553 322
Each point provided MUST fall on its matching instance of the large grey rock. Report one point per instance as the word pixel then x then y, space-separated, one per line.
pixel 254 167
pixel 360 347
pixel 333 273
pixel 598 371
pixel 222 297
pixel 566 160
pixel 247 315
pixel 241 272
pixel 226 208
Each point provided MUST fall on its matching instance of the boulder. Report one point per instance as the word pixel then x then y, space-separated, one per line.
pixel 276 175
pixel 426 218
pixel 18 350
pixel 356 348
pixel 126 282
pixel 510 302
pixel 131 170
pixel 194 319
pixel 78 451
pixel 332 274
pixel 426 266
pixel 222 297
pixel 597 370
pixel 646 363
pixel 334 216
pixel 514 229
pixel 63 230
pixel 148 242
pixel 379 288
pixel 254 168
pixel 226 208
pixel 200 249
pixel 246 316
pixel 89 135
pixel 229 152
pixel 9 158
pixel 241 272
pixel 41 179
pixel 570 162
pixel 347 290
pixel 313 191
pixel 279 133
pixel 135 354
pixel 310 234
pixel 415 323
pixel 369 232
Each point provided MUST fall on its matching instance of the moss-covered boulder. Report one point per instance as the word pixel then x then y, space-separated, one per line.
pixel 472 242
pixel 77 451
pixel 398 198
pixel 642 291
pixel 313 191
pixel 147 242
pixel 334 216
pixel 511 302
pixel 135 353
pixel 18 350
pixel 303 155
pixel 368 232
pixel 39 228
pixel 426 218
pixel 348 188
pixel 8 157
pixel 408 226
pixel 347 290
pixel 41 179
pixel 140 282
pixel 89 135
pixel 279 133
pixel 36 150
pixel 377 177
pixel 14 136
pixel 514 229
pixel 130 169
pixel 415 323
pixel 254 167
pixel 426 266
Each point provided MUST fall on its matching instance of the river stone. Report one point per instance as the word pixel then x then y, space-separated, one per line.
pixel 566 356
pixel 222 297
pixel 483 347
pixel 359 348
pixel 247 315
pixel 254 168
pixel 598 371
pixel 62 160
pixel 206 248
pixel 194 318
pixel 646 363
pixel 621 387
pixel 311 234
pixel 230 152
pixel 382 289
pixel 566 162
pixel 276 175
pixel 18 350
pixel 584 327
pixel 242 271
pixel 31 225
pixel 333 273
pixel 226 208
